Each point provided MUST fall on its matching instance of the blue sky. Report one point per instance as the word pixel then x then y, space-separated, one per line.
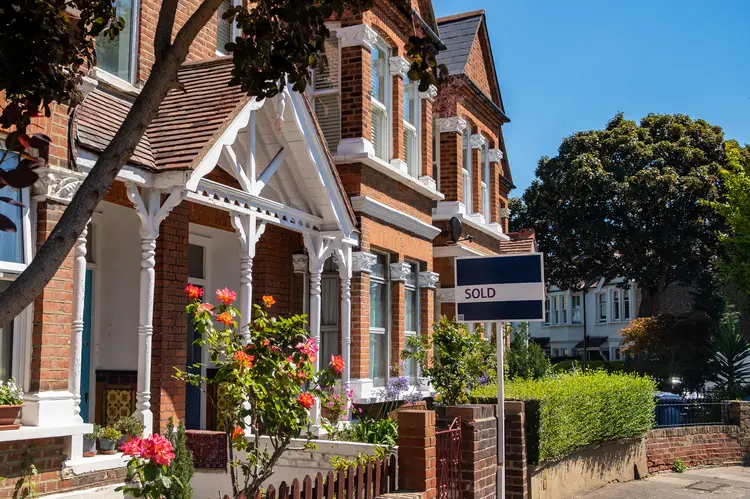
pixel 570 65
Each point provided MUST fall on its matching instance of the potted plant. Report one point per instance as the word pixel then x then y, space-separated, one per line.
pixel 11 402
pixel 89 441
pixel 130 427
pixel 108 440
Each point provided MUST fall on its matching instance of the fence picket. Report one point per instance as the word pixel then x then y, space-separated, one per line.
pixel 318 491
pixel 351 476
pixel 368 481
pixel 330 489
pixel 258 494
pixel 392 474
pixel 358 482
pixel 283 491
pixel 307 487
pixel 341 492
pixel 271 492
pixel 295 489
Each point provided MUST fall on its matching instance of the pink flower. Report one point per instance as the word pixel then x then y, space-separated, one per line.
pixel 132 447
pixel 226 296
pixel 205 307
pixel 154 448
pixel 309 347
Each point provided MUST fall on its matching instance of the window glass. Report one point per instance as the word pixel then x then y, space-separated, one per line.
pixel 555 312
pixel 546 311
pixel 114 56
pixel 602 307
pixel 378 67
pixel 329 317
pixel 11 243
pixel 626 305
pixel 377 304
pixel 195 262
pixel 6 343
pixel 564 308
pixel 576 309
pixel 378 319
pixel 223 28
pixel 616 304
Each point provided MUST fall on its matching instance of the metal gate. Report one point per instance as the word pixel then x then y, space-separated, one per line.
pixel 449 461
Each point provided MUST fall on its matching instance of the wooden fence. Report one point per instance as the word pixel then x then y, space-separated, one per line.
pixel 357 482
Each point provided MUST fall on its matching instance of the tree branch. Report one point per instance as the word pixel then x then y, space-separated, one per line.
pixel 163 35
pixel 50 256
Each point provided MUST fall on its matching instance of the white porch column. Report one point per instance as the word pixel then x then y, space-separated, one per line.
pixel 345 275
pixel 249 229
pixel 76 332
pixel 151 211
pixel 319 248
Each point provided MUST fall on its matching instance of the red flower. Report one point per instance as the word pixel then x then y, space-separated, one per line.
pixel 132 446
pixel 268 301
pixel 193 292
pixel 154 448
pixel 243 359
pixel 226 296
pixel 337 364
pixel 205 307
pixel 306 400
pixel 309 347
pixel 225 318
pixel 265 343
pixel 238 432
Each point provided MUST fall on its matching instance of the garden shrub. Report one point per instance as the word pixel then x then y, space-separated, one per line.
pixel 566 412
pixel 612 366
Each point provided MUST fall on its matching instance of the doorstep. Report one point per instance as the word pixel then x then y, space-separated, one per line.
pixel 100 462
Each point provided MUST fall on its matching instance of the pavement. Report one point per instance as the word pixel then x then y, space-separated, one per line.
pixel 732 482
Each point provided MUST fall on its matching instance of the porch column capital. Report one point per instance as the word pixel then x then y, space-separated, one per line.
pixel 300 263
pixel 358 35
pixel 249 229
pixel 452 124
pixel 399 65
pixel 446 295
pixel 428 279
pixel 56 184
pixel 363 261
pixel 430 94
pixel 477 141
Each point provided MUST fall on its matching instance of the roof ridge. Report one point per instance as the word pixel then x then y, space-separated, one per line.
pixel 460 16
pixel 208 62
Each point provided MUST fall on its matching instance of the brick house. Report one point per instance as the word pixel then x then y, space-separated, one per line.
pixel 328 201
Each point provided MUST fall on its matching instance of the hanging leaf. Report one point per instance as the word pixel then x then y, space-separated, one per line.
pixel 12 201
pixel 39 141
pixel 20 177
pixel 6 224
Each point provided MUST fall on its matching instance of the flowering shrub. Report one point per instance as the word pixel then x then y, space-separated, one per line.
pixel 263 378
pixel 148 474
pixel 10 393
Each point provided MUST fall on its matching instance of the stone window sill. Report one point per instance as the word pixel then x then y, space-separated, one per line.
pixel 36 432
pixel 99 462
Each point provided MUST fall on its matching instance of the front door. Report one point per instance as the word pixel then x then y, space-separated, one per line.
pixel 86 351
pixel 193 393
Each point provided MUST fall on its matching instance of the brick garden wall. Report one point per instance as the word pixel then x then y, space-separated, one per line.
pixel 696 446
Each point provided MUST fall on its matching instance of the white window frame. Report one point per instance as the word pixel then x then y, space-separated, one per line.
pixel 467 197
pixel 204 242
pixel 436 154
pixel 386 331
pixel 23 322
pixel 602 306
pixel 486 181
pixel 564 308
pixel 626 298
pixel 413 129
pixel 616 305
pixel 573 299
pixel 134 27
pixel 332 275
pixel 335 89
pixel 383 151
pixel 233 33
pixel 555 311
pixel 417 307
pixel 547 311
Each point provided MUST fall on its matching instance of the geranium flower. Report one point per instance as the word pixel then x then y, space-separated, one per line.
pixel 243 359
pixel 309 347
pixel 337 364
pixel 265 343
pixel 132 447
pixel 306 400
pixel 226 296
pixel 225 318
pixel 237 433
pixel 162 450
pixel 193 292
pixel 268 301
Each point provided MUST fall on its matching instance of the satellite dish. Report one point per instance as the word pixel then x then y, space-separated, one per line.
pixel 456 229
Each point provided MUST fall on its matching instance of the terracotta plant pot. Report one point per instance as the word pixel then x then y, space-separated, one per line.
pixel 8 416
pixel 107 446
pixel 89 447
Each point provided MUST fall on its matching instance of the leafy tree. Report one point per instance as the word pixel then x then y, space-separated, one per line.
pixel 526 358
pixel 671 346
pixel 44 53
pixel 519 215
pixel 735 207
pixel 731 352
pixel 631 200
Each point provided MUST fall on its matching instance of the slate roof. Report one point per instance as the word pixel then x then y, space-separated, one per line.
pixel 187 122
pixel 458 33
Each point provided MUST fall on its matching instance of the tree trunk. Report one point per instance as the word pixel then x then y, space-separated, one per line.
pixel 650 301
pixel 22 292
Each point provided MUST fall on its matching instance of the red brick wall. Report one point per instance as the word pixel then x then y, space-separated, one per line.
pixel 451 161
pixel 516 480
pixel 398 325
pixel 417 455
pixel 46 455
pixel 427 139
pixel 53 314
pixel 478 449
pixel 355 93
pixel 696 446
pixel 170 321
pixel 273 272
pixel 360 350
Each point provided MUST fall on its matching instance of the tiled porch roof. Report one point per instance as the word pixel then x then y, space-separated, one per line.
pixel 520 242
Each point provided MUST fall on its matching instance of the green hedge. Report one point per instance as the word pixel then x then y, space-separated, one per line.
pixel 612 366
pixel 566 412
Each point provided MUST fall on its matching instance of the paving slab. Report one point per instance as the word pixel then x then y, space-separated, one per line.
pixel 731 483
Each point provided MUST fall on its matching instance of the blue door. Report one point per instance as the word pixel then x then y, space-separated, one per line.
pixel 193 393
pixel 86 351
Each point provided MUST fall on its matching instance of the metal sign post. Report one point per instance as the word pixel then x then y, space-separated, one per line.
pixel 499 289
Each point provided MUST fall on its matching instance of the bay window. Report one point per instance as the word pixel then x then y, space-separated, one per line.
pixel 555 311
pixel 411 127
pixel 626 305
pixel 326 94
pixel 411 316
pixel 225 32
pixel 564 309
pixel 329 316
pixel 379 75
pixel 602 304
pixel 379 323
pixel 575 302
pixel 616 305
pixel 118 57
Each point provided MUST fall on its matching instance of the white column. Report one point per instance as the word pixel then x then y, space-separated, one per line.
pixel 345 275
pixel 249 229
pixel 76 333
pixel 319 248
pixel 151 211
